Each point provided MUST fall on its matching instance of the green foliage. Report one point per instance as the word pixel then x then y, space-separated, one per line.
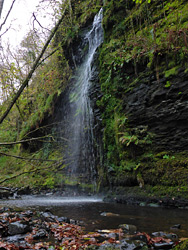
pixel 168 84
pixel 182 246
pixel 138 136
pixel 49 182
pixel 140 1
pixel 168 157
pixel 171 72
pixel 3 161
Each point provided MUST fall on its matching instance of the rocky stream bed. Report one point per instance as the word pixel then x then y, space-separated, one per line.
pixel 36 222
pixel 43 230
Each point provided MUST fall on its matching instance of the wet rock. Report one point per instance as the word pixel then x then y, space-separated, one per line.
pixel 41 233
pixel 153 205
pixel 108 214
pixel 27 214
pixel 24 191
pixel 140 237
pixel 177 226
pixel 135 245
pixel 18 228
pixel 5 194
pixel 3 229
pixel 125 244
pixel 158 234
pixel 171 236
pixel 113 235
pixel 4 209
pixel 164 245
pixel 16 238
pixel 48 216
pixel 74 222
pixel 63 219
pixel 142 204
pixel 128 228
pixel 162 110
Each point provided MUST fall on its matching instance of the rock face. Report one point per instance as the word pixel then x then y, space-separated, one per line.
pixel 163 107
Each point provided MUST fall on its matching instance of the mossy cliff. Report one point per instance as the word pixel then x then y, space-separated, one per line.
pixel 143 77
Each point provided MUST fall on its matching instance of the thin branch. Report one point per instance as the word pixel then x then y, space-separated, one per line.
pixel 27 159
pixel 29 172
pixel 5 31
pixel 23 141
pixel 53 52
pixel 7 15
pixel 15 176
pixel 29 76
pixel 35 19
pixel 46 126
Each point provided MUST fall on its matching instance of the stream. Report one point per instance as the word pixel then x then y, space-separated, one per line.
pixel 89 210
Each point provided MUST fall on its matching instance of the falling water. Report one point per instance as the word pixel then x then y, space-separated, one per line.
pixel 79 117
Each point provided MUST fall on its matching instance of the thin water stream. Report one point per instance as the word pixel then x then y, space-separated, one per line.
pixel 89 209
pixel 77 112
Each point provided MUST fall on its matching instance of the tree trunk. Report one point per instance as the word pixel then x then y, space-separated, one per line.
pixel 29 76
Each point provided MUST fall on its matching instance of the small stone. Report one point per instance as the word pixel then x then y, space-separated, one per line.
pixel 108 214
pixel 128 228
pixel 177 226
pixel 153 205
pixel 142 204
pixel 164 245
pixel 74 222
pixel 158 234
pixel 42 233
pixel 49 217
pixel 63 219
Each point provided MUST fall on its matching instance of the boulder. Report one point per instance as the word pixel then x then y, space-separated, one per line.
pixel 63 219
pixel 18 228
pixel 48 216
pixel 128 228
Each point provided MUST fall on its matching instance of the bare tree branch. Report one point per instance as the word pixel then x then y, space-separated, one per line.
pixel 3 23
pixel 27 159
pixel 53 52
pixel 28 140
pixel 15 176
pixel 23 141
pixel 29 76
pixel 35 19
pixel 28 172
pixel 5 32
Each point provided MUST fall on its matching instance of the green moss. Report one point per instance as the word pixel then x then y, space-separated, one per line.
pixel 171 72
pixel 182 246
pixel 147 38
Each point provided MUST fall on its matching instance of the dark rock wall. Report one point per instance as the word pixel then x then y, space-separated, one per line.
pixel 143 78
pixel 163 109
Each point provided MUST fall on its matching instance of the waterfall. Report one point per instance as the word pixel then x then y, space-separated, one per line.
pixel 79 117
